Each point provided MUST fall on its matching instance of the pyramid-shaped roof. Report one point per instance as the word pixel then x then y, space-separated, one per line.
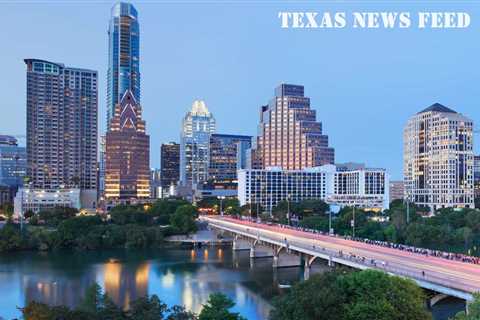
pixel 437 107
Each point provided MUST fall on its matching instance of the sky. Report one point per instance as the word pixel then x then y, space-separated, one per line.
pixel 364 83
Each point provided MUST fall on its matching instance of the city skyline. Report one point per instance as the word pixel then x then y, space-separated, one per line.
pixel 348 87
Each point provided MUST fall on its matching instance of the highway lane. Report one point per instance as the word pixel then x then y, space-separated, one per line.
pixel 453 274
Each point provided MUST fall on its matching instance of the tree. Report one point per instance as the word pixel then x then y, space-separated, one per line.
pixel 183 220
pixel 163 209
pixel 362 295
pixel 147 308
pixel 473 310
pixel 306 302
pixel 53 217
pixel 217 308
pixel 40 311
pixel 180 313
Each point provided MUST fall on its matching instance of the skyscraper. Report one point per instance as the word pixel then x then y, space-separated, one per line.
pixel 170 165
pixel 289 134
pixel 227 155
pixel 62 127
pixel 127 170
pixel 438 158
pixel 123 56
pixel 197 126
pixel 476 178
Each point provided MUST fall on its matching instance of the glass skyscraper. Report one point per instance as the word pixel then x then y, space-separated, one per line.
pixel 197 127
pixel 123 56
pixel 13 162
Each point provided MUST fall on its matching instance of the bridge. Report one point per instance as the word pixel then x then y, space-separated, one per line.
pixel 290 247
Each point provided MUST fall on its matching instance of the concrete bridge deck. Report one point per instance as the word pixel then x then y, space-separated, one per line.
pixel 448 277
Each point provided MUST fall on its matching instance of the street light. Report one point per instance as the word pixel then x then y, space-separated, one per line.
pixel 221 204
pixel 288 209
pixel 353 222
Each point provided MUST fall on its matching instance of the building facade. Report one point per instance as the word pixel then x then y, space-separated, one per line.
pixel 363 188
pixel 197 126
pixel 438 159
pixel 127 164
pixel 13 162
pixel 169 166
pixel 397 190
pixel 36 200
pixel 62 113
pixel 289 134
pixel 123 56
pixel 476 180
pixel 227 155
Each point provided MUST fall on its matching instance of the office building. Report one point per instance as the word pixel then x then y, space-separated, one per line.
pixel 62 112
pixel 227 155
pixel 397 190
pixel 289 134
pixel 37 200
pixel 197 126
pixel 365 188
pixel 438 159
pixel 13 162
pixel 169 166
pixel 155 184
pixel 123 56
pixel 127 169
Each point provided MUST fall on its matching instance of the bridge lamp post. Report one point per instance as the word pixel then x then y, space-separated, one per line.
pixel 221 205
pixel 288 209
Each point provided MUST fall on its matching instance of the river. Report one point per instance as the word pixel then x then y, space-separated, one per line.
pixel 177 276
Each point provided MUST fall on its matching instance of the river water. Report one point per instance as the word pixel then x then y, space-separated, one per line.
pixel 177 276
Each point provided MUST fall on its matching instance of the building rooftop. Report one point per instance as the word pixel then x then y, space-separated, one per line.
pixel 437 107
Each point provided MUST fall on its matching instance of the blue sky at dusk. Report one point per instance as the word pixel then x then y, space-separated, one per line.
pixel 364 84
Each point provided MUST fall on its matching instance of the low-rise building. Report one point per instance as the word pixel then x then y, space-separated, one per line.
pixel 37 200
pixel 365 188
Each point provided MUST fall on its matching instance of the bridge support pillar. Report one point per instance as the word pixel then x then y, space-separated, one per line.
pixel 307 265
pixel 437 298
pixel 240 244
pixel 283 259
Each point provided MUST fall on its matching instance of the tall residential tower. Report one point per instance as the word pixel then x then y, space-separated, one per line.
pixel 62 128
pixel 123 56
pixel 438 159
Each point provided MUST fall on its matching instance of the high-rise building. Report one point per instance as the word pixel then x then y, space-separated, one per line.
pixel 197 126
pixel 123 56
pixel 62 128
pixel 169 166
pixel 397 190
pixel 127 169
pixel 13 167
pixel 438 159
pixel 365 188
pixel 289 134
pixel 227 155
pixel 476 179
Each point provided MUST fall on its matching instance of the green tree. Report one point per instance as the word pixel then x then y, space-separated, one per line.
pixel 180 313
pixel 305 301
pixel 473 310
pixel 183 220
pixel 147 308
pixel 53 217
pixel 163 209
pixel 362 295
pixel 217 308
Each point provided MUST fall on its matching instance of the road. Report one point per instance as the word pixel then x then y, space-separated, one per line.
pixel 425 270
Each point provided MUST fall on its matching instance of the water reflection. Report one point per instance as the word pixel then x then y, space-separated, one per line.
pixel 185 277
pixel 124 284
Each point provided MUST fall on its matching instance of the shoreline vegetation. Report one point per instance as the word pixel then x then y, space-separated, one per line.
pixel 125 227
